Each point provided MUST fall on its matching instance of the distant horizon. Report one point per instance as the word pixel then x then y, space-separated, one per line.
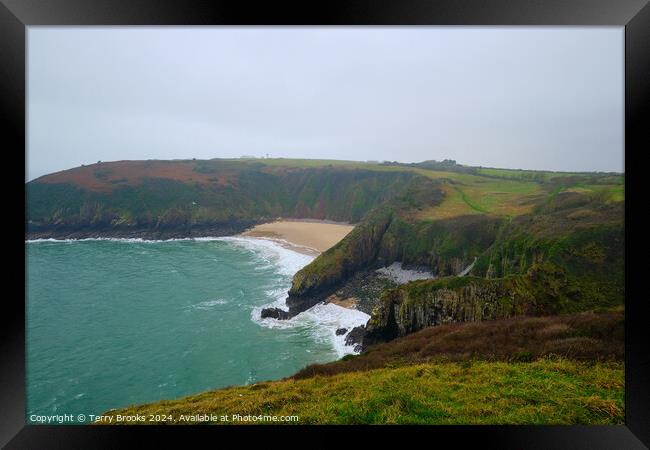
pixel 251 157
pixel 543 98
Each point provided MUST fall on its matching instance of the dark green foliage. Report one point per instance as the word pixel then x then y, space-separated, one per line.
pixel 53 202
pixel 389 234
pixel 545 289
pixel 236 191
pixel 565 255
pixel 356 250
pixel 447 165
pixel 580 237
pixel 446 246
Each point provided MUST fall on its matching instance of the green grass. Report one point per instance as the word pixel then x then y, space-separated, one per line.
pixel 291 162
pixel 471 194
pixel 547 391
pixel 522 174
pixel 266 187
pixel 470 202
pixel 610 192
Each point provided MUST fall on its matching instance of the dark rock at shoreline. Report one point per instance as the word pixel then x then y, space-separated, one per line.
pixel 355 337
pixel 275 313
pixel 341 331
pixel 298 304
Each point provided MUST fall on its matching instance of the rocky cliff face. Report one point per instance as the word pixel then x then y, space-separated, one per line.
pixel 358 249
pixel 563 252
pixel 565 257
pixel 421 304
pixel 545 289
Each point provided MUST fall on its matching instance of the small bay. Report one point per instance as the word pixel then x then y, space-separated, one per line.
pixel 112 323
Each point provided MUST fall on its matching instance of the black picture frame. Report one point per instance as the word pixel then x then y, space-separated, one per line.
pixel 634 15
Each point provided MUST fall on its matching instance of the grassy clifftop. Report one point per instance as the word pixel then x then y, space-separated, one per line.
pixel 439 215
pixel 185 195
pixel 524 236
pixel 177 193
pixel 553 391
pixel 512 371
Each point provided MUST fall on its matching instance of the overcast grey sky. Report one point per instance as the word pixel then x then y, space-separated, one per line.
pixel 534 98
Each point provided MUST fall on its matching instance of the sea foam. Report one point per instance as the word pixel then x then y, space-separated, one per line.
pixel 322 320
pixel 123 240
pixel 208 304
pixel 287 261
pixel 329 318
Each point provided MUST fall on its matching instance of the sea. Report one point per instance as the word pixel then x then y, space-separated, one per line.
pixel 116 322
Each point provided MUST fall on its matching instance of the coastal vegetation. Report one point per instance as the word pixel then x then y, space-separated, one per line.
pixel 543 249
pixel 184 197
pixel 522 322
pixel 544 392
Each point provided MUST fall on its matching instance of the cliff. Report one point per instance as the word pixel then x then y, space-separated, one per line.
pixel 564 256
pixel 539 242
pixel 388 234
pixel 549 263
pixel 190 198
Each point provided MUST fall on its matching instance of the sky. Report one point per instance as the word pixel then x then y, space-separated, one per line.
pixel 545 98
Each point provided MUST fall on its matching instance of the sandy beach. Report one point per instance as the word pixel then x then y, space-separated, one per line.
pixel 310 237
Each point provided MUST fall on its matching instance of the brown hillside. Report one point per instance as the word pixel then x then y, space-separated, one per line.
pixel 106 176
pixel 585 336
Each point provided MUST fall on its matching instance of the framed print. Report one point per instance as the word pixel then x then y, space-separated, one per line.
pixel 415 215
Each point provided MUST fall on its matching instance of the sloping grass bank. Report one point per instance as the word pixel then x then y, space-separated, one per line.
pixel 546 391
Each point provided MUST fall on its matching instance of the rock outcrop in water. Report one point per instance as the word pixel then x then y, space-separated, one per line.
pixel 355 337
pixel 275 313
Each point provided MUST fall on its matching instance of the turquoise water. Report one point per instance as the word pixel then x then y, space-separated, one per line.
pixel 112 323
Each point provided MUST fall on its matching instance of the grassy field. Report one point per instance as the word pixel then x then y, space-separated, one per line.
pixel 515 197
pixel 520 174
pixel 507 192
pixel 547 391
pixel 113 187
